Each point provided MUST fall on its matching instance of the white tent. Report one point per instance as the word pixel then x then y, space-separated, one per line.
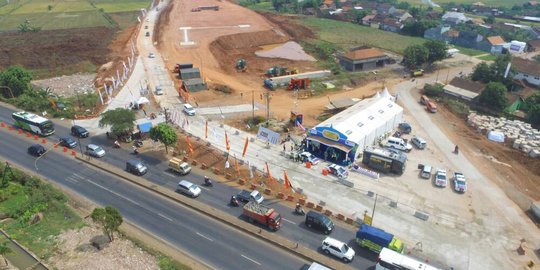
pixel 367 120
pixel 142 100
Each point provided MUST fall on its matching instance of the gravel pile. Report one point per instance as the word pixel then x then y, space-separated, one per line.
pixel 290 50
pixel 68 85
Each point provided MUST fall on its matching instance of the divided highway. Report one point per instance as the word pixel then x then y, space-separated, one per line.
pixel 55 166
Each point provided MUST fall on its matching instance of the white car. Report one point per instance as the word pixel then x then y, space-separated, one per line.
pixel 338 249
pixel 307 156
pixel 151 55
pixel 460 183
pixel 95 151
pixel 159 90
pixel 441 179
pixel 189 110
pixel 188 188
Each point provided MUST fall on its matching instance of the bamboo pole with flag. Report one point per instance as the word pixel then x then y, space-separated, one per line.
pixel 287 182
pixel 268 171
pixel 245 148
pixel 190 148
pixel 227 142
pixel 236 166
pixel 206 130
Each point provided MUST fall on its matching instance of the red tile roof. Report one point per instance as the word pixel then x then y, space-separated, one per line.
pixel 364 54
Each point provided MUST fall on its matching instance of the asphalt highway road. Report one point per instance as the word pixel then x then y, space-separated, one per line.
pixel 217 196
pixel 214 243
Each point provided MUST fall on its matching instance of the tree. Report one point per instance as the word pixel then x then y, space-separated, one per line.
pixel 537 58
pixel 481 73
pixel 494 96
pixel 437 50
pixel 415 56
pixel 109 219
pixel 164 133
pixel 4 249
pixel 533 99
pixel 534 114
pixel 121 120
pixel 17 79
pixel 417 28
pixel 490 19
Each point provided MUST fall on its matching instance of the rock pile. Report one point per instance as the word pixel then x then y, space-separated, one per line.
pixel 520 134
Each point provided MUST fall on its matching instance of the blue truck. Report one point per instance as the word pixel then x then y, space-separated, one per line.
pixel 376 239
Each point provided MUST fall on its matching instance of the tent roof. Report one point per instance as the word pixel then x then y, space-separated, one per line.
pixel 363 117
pixel 145 127
pixel 142 100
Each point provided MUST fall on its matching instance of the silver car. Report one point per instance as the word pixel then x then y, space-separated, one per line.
pixel 188 188
pixel 95 151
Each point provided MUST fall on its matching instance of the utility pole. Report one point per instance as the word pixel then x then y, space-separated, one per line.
pixel 252 106
pixel 374 204
pixel 267 95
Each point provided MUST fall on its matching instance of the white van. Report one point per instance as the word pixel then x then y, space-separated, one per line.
pixel 426 172
pixel 399 144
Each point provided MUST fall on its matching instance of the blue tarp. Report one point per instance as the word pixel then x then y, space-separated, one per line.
pixel 145 127
pixel 374 235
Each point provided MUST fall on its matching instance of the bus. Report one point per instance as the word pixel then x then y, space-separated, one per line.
pixel 391 260
pixel 33 123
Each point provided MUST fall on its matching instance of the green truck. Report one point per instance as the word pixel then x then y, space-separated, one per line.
pixel 376 239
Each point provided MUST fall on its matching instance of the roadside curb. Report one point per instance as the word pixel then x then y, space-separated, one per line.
pixel 255 231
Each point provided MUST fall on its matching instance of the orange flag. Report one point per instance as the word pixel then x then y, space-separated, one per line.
pixel 268 171
pixel 227 141
pixel 287 183
pixel 245 147
pixel 236 165
pixel 206 130
pixel 190 148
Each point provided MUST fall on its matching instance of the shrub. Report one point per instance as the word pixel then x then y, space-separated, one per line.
pixel 433 90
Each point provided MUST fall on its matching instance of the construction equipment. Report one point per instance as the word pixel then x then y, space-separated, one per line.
pixel 417 73
pixel 276 71
pixel 195 9
pixel 296 84
pixel 241 65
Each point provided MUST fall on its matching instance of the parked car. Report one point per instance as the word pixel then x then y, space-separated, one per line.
pixel 147 34
pixel 405 127
pixel 188 109
pixel 460 183
pixel 68 141
pixel 308 157
pixel 426 172
pixel 188 188
pixel 319 222
pixel 36 150
pixel 440 178
pixel 79 131
pixel 399 144
pixel 159 90
pixel 95 151
pixel 419 142
pixel 338 249
pixel 337 170
pixel 151 55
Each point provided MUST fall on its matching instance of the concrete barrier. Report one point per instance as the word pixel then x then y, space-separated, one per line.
pixel 272 238
pixel 310 205
pixel 302 201
pixel 253 187
pixel 290 198
pixel 204 166
pixel 340 217
pixel 216 171
pixel 318 208
pixel 328 212
pixel 267 191
pixel 349 221
pixel 280 195
pixel 194 163
pixel 241 182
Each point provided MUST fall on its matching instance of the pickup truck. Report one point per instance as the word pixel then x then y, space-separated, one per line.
pixel 262 214
pixel 179 166
pixel 460 183
pixel 246 196
pixel 376 239
pixel 440 178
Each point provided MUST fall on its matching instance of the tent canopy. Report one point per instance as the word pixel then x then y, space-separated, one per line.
pixel 142 100
pixel 145 127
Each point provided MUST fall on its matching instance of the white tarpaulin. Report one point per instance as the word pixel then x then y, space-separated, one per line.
pixel 496 136
pixel 142 100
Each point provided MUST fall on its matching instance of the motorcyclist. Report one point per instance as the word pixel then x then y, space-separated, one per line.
pixel 116 144
pixel 207 181
pixel 234 201
pixel 298 209
pixel 135 151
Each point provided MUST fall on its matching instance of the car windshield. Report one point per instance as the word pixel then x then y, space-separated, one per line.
pixel 98 149
pixel 257 196
pixel 139 166
pixel 461 183
pixel 327 222
pixel 441 177
pixel 193 187
pixel 344 248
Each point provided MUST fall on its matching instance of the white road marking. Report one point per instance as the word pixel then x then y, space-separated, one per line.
pixel 165 217
pixel 204 237
pixel 119 195
pixel 204 188
pixel 290 221
pixel 254 261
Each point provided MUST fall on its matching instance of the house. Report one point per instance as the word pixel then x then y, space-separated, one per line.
pixel 367 19
pixel 472 40
pixel 391 25
pixel 534 32
pixel 437 33
pixel 463 89
pixel 497 44
pixel 363 59
pixel 533 45
pixel 328 4
pixel 485 11
pixel 385 8
pixel 377 20
pixel 454 18
pixel 526 70
pixel 402 15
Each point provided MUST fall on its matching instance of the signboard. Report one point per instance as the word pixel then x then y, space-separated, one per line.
pixel 268 135
pixel 330 135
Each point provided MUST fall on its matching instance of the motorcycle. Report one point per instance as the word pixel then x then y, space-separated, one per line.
pixel 299 211
pixel 116 144
pixel 138 143
pixel 135 150
pixel 234 201
pixel 208 182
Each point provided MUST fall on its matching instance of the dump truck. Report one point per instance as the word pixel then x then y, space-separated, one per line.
pixel 376 239
pixel 179 166
pixel 262 214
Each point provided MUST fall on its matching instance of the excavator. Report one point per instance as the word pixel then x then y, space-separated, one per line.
pixel 241 65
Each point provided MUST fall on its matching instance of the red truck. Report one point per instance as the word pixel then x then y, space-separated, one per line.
pixel 262 214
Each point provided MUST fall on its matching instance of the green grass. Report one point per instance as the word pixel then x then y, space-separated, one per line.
pixel 165 262
pixel 352 35
pixel 121 7
pixel 50 21
pixel 261 6
pixel 469 51
pixel 489 57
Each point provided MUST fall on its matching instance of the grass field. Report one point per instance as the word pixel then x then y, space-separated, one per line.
pixel 352 35
pixel 500 3
pixel 64 14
